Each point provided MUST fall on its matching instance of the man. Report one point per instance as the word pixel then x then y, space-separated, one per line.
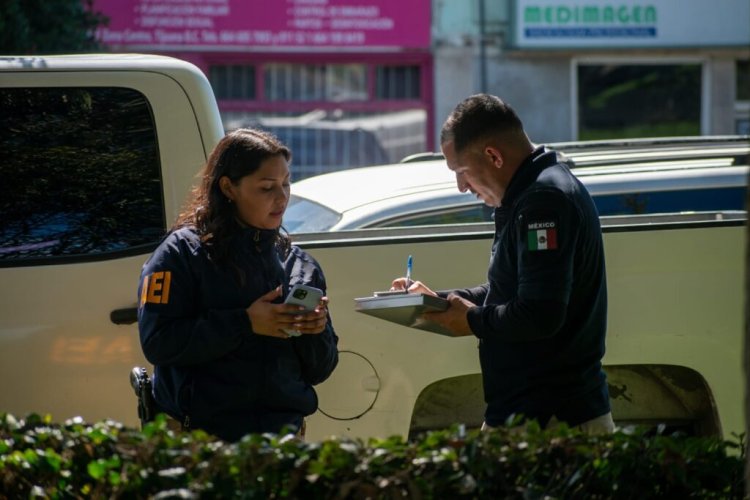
pixel 541 318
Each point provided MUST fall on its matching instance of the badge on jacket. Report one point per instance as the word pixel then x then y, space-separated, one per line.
pixel 155 288
pixel 541 235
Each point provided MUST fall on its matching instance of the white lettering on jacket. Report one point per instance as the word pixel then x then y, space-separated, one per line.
pixel 541 225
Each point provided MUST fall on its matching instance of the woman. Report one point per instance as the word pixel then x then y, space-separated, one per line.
pixel 211 315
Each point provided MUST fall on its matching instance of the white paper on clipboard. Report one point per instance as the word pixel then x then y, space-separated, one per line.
pixel 405 309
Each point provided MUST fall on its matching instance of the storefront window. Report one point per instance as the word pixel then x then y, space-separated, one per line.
pixel 647 100
pixel 232 82
pixel 349 113
pixel 315 82
pixel 397 82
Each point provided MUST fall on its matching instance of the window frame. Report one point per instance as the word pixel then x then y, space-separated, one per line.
pixel 229 69
pixel 705 91
pixel 423 60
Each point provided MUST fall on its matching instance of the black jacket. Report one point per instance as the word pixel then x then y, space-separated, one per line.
pixel 211 370
pixel 542 316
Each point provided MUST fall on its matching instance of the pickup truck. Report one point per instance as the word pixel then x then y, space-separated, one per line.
pixel 99 154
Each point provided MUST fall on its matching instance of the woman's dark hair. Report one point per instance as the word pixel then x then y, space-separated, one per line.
pixel 238 154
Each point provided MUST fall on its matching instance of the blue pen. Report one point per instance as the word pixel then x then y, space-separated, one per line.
pixel 408 271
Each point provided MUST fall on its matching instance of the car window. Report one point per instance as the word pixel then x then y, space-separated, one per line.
pixel 688 200
pixel 81 174
pixel 695 200
pixel 463 215
pixel 305 216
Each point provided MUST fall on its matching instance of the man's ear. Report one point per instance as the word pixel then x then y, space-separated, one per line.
pixel 226 187
pixel 495 156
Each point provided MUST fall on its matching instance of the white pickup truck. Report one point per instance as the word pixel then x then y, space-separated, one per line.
pixel 99 152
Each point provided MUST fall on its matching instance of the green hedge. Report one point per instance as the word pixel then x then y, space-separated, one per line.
pixel 40 459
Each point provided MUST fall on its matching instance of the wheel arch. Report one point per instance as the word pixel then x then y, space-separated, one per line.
pixel 675 396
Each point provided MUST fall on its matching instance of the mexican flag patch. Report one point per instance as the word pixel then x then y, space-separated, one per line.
pixel 542 236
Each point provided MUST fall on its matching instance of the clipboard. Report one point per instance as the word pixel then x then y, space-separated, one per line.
pixel 403 308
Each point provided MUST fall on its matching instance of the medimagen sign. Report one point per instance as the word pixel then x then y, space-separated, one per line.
pixel 631 23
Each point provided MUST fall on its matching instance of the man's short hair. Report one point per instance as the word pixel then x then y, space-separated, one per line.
pixel 478 116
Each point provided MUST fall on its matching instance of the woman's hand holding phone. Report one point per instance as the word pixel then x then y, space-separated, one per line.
pixel 302 313
pixel 311 315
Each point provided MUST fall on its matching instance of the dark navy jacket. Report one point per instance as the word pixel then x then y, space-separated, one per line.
pixel 211 370
pixel 542 316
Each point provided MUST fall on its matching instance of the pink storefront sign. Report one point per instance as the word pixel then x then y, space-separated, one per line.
pixel 235 24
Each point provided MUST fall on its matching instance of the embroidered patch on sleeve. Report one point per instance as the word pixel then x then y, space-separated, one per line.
pixel 155 288
pixel 542 235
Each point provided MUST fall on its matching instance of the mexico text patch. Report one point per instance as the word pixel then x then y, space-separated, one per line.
pixel 542 235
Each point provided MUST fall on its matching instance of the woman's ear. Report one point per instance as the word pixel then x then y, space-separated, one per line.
pixel 226 187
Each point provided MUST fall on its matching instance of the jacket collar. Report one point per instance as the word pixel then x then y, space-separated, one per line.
pixel 260 239
pixel 539 159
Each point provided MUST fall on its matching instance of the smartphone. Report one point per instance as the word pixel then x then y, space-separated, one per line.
pixel 305 296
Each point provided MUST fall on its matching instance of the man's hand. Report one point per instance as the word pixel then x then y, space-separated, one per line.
pixel 454 318
pixel 414 287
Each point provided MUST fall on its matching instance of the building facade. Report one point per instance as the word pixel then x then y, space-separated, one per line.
pixel 599 69
pixel 349 84
pixel 344 84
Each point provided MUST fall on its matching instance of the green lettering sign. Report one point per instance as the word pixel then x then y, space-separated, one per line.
pixel 548 15
pixel 623 15
pixel 563 15
pixel 650 16
pixel 532 15
pixel 590 14
pixel 636 14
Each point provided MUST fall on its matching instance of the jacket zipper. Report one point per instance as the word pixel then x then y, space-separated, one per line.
pixel 256 239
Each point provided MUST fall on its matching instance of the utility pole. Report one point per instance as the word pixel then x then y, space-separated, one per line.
pixel 482 49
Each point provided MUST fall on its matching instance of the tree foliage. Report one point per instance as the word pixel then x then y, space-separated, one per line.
pixel 48 26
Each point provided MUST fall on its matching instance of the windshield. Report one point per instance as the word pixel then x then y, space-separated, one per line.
pixel 305 216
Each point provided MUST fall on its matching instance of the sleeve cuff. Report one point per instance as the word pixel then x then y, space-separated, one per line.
pixel 474 318
pixel 241 322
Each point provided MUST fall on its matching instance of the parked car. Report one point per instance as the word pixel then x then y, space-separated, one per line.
pixel 644 176
pixel 100 152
